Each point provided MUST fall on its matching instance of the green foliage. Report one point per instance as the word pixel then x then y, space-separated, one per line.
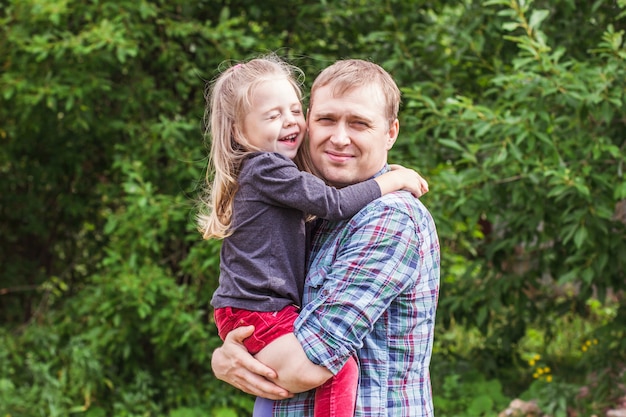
pixel 469 395
pixel 554 397
pixel 513 110
pixel 103 146
pixel 533 174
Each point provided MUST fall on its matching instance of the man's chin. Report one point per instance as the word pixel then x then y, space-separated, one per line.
pixel 339 181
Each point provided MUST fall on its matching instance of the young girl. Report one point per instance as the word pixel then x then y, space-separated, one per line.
pixel 258 203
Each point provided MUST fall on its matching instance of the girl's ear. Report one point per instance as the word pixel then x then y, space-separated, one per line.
pixel 237 136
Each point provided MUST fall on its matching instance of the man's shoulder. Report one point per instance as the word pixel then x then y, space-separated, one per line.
pixel 397 208
pixel 399 200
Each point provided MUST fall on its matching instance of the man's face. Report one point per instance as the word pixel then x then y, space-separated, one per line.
pixel 349 135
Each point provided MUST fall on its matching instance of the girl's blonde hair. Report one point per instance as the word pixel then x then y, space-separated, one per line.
pixel 228 100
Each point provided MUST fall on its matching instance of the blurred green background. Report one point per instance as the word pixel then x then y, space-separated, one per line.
pixel 513 110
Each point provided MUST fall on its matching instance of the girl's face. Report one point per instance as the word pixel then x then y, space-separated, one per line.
pixel 275 122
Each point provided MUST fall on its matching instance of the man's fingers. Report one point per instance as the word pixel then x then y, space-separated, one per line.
pixel 238 355
pixel 239 334
pixel 233 364
pixel 260 387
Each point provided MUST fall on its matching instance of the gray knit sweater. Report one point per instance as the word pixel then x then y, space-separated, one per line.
pixel 263 263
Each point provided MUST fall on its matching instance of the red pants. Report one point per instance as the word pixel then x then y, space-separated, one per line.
pixel 335 398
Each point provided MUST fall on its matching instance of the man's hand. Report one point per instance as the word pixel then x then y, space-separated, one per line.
pixel 233 364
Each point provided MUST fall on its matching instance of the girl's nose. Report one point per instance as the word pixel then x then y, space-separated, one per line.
pixel 289 120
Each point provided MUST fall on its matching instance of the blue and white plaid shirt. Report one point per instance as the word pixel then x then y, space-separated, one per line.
pixel 372 289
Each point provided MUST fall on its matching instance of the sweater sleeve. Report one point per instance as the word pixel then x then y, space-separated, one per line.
pixel 278 181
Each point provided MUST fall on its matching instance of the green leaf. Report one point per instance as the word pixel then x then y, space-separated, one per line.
pixel 95 412
pixel 451 144
pixel 496 3
pixel 568 276
pixel 587 275
pixel 580 237
pixel 620 191
pixel 510 26
pixel 480 405
pixel 558 191
pixel 481 315
pixel 537 16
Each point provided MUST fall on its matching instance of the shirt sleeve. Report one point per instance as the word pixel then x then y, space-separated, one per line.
pixel 279 181
pixel 376 260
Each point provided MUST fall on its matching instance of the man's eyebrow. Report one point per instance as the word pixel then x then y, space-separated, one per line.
pixel 360 118
pixel 322 113
pixel 349 116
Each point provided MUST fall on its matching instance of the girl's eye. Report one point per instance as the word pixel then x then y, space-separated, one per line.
pixel 274 116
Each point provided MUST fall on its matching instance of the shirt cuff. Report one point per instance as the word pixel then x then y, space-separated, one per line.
pixel 320 346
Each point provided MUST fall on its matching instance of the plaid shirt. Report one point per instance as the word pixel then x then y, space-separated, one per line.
pixel 372 289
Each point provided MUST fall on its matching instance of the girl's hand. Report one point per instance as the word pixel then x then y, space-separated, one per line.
pixel 411 180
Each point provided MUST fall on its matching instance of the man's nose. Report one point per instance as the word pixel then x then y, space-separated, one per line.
pixel 340 136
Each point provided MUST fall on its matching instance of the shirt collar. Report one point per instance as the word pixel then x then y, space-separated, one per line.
pixel 384 169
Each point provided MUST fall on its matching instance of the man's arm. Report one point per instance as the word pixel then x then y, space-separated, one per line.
pixel 233 364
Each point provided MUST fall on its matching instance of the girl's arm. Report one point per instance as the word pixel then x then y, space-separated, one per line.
pixel 401 178
pixel 276 180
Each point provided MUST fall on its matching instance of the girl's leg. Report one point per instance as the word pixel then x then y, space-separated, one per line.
pixel 274 344
pixel 296 373
pixel 337 396
pixel 263 407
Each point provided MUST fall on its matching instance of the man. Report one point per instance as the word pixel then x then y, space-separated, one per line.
pixel 373 281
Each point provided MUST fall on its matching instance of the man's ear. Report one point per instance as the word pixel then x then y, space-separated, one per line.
pixel 392 134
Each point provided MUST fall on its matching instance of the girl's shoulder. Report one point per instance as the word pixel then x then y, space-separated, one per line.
pixel 268 164
pixel 260 160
